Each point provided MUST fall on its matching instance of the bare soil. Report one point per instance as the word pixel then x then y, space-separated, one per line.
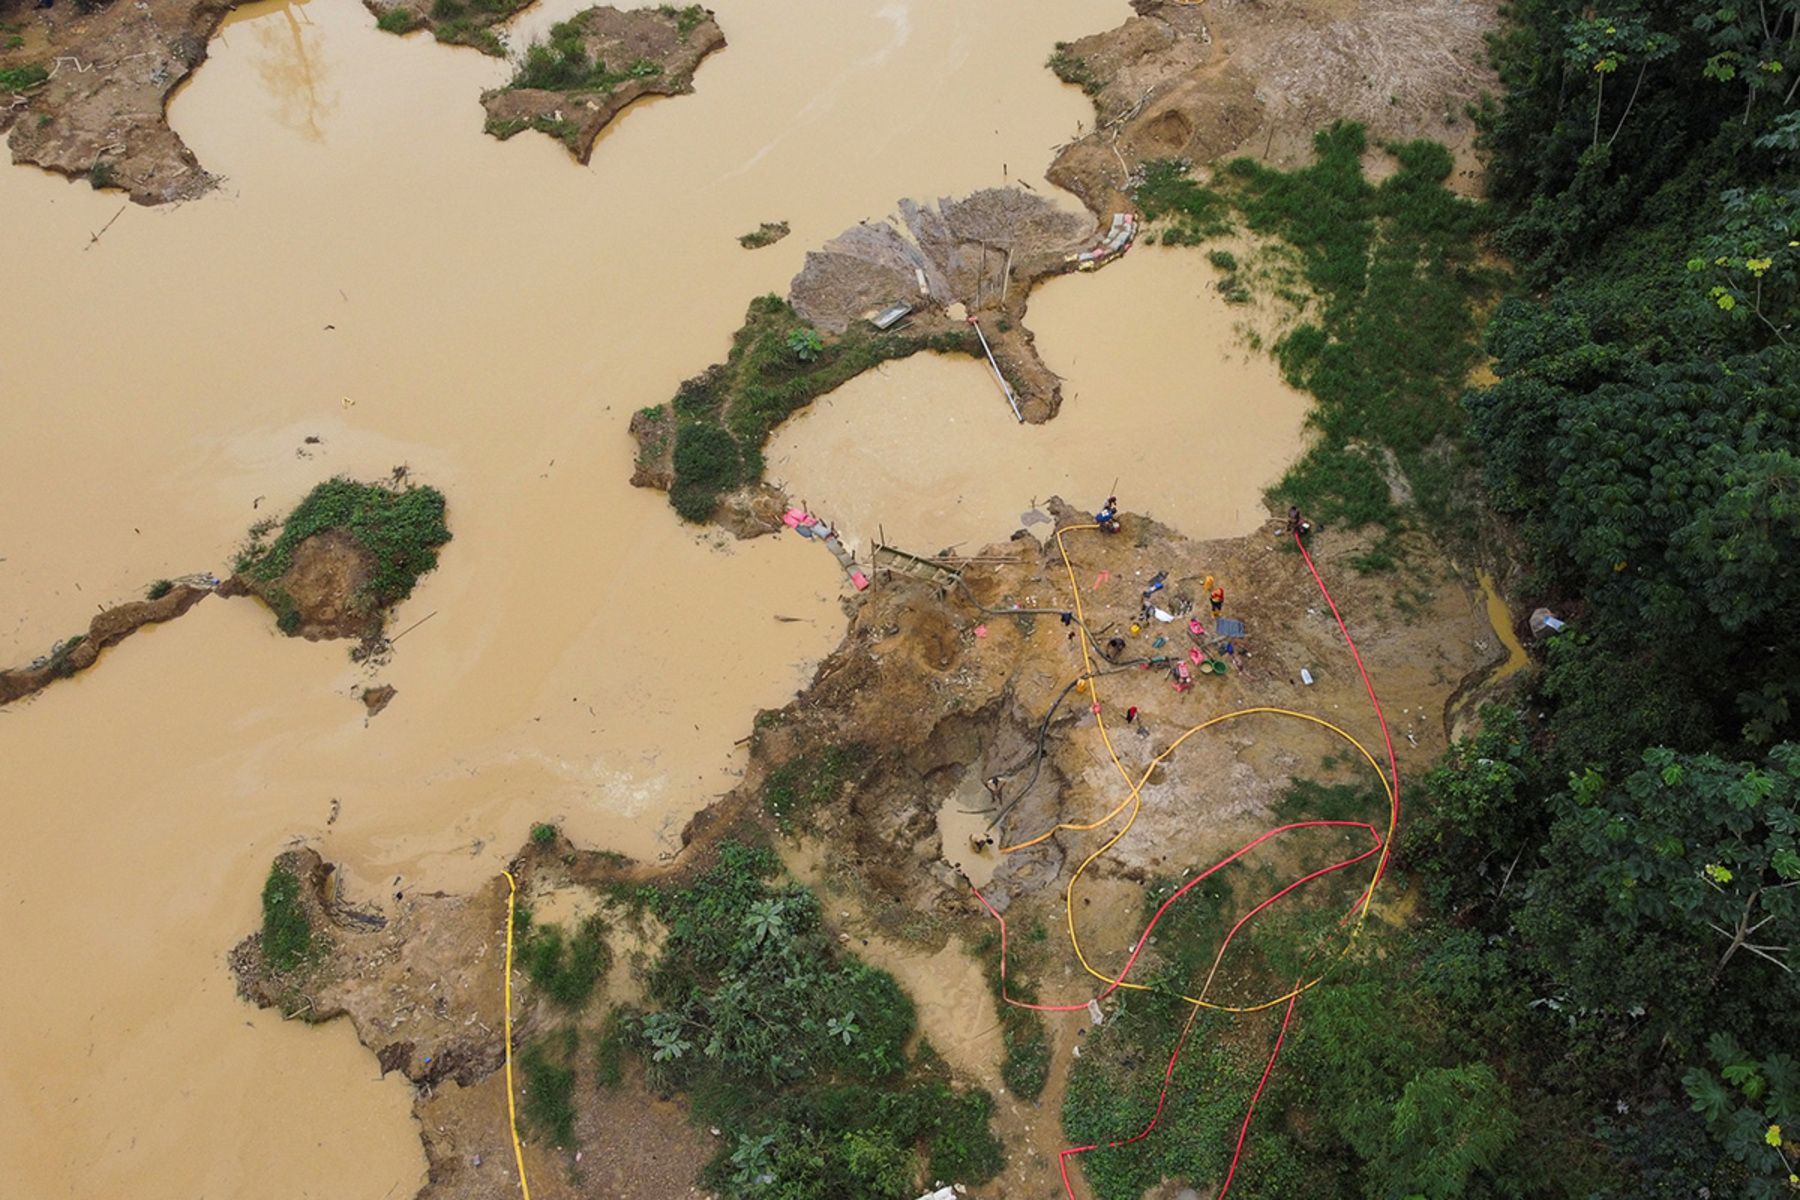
pixel 943 695
pixel 324 587
pixel 620 40
pixel 100 115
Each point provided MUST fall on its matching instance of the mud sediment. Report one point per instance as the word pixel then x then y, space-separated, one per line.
pixel 108 628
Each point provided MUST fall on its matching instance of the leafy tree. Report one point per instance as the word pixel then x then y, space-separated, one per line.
pixel 1754 1112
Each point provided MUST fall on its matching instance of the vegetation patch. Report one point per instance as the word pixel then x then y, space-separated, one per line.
pixel 400 531
pixel 811 780
pixel 287 929
pixel 592 65
pixel 566 970
pixel 548 1065
pixel 1026 1067
pixel 1071 67
pixel 453 22
pixel 20 79
pixel 1393 286
pixel 778 364
pixel 796 1050
pixel 766 234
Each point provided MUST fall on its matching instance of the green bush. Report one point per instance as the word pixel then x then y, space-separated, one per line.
pixel 396 20
pixel 797 1049
pixel 20 79
pixel 401 530
pixel 159 589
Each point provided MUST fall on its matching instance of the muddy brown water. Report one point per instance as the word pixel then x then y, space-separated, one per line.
pixel 377 274
pixel 1159 396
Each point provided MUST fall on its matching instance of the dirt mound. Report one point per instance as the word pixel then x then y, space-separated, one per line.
pixel 650 52
pixel 965 250
pixel 322 595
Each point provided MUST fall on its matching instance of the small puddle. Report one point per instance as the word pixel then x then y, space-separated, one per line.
pixel 966 842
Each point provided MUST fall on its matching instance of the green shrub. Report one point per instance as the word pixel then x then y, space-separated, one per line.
pixel 811 779
pixel 103 175
pixel 397 20
pixel 20 79
pixel 543 833
pixel 566 972
pixel 1072 68
pixel 159 589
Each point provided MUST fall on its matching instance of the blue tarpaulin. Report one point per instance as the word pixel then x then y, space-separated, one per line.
pixel 1227 627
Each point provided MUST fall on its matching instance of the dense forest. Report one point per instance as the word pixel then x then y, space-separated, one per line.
pixel 1600 999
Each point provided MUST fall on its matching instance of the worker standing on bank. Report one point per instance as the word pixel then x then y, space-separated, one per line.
pixel 1218 600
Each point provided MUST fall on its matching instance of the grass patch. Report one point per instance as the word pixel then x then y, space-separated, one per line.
pixel 1026 1067
pixel 1394 334
pixel 562 64
pixel 567 970
pixel 811 779
pixel 287 932
pixel 549 1091
pixel 401 530
pixel 159 589
pixel 724 416
pixel 1070 67
pixel 22 79
pixel 687 19
pixel 796 1049
pixel 1190 212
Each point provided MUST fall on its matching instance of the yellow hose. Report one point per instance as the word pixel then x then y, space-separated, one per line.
pixel 1134 799
pixel 512 1112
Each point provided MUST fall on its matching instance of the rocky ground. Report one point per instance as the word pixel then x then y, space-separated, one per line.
pixel 942 687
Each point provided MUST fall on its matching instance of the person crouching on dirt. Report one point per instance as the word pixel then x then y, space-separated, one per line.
pixel 1108 518
pixel 1297 525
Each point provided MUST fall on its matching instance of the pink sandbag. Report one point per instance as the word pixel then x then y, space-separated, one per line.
pixel 859 579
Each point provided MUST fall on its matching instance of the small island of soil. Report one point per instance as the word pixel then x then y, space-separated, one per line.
pixel 86 85
pixel 595 64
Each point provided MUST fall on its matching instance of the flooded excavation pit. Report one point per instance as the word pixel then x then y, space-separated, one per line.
pixel 1158 394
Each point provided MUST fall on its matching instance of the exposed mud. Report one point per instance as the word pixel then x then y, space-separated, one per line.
pixel 109 628
pixel 942 689
pixel 111 72
pixel 659 48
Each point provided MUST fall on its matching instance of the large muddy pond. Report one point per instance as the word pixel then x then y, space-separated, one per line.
pixel 379 275
pixel 1159 398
